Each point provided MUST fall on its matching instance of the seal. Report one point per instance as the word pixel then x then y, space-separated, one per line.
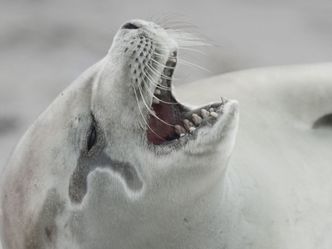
pixel 277 189
pixel 116 161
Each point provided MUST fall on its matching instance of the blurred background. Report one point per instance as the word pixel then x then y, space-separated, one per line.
pixel 45 44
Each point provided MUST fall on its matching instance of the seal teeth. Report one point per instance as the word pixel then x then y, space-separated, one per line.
pixel 196 119
pixel 168 72
pixel 214 114
pixel 155 101
pixel 180 130
pixel 187 124
pixel 157 92
pixel 191 129
pixel 205 113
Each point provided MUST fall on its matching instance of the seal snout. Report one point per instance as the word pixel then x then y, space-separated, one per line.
pixel 152 54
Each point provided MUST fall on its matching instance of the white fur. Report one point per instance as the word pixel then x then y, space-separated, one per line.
pixel 278 183
pixel 276 192
pixel 178 203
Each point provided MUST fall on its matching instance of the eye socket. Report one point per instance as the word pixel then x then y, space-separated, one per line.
pixel 92 135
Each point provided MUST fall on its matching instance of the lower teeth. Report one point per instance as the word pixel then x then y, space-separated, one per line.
pixel 190 127
pixel 214 114
pixel 196 119
pixel 204 113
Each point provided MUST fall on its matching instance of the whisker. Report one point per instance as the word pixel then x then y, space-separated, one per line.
pixel 151 111
pixel 154 70
pixel 164 66
pixel 190 44
pixel 192 50
pixel 162 55
pixel 152 95
pixel 144 71
pixel 187 63
pixel 189 40
pixel 137 102
pixel 182 48
pixel 164 49
pixel 147 75
pixel 146 123
pixel 179 26
pixel 168 22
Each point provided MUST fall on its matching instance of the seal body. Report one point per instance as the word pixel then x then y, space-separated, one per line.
pixel 279 192
pixel 117 162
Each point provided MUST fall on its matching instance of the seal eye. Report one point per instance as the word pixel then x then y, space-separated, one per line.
pixel 92 135
pixel 129 26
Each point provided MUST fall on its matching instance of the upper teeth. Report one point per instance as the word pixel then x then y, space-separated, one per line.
pixel 187 124
pixel 191 129
pixel 179 130
pixel 204 113
pixel 168 72
pixel 196 119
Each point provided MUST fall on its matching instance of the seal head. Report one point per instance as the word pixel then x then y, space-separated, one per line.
pixel 117 160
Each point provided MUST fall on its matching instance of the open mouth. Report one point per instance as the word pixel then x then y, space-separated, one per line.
pixel 173 121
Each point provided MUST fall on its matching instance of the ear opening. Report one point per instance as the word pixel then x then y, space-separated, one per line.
pixel 323 122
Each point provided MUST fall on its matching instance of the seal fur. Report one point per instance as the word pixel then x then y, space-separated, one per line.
pixel 99 192
pixel 113 161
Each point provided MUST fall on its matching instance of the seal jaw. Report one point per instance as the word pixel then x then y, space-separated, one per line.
pixel 172 123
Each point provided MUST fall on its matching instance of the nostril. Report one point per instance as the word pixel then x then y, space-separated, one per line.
pixel 130 25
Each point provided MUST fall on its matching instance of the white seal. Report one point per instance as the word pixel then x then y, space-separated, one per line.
pixel 116 161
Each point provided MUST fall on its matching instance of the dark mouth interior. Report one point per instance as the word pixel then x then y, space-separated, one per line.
pixel 166 108
pixel 172 120
pixel 162 131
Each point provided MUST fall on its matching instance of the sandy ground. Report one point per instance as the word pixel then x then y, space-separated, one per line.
pixel 44 45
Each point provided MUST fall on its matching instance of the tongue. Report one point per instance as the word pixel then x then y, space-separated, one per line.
pixel 160 131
